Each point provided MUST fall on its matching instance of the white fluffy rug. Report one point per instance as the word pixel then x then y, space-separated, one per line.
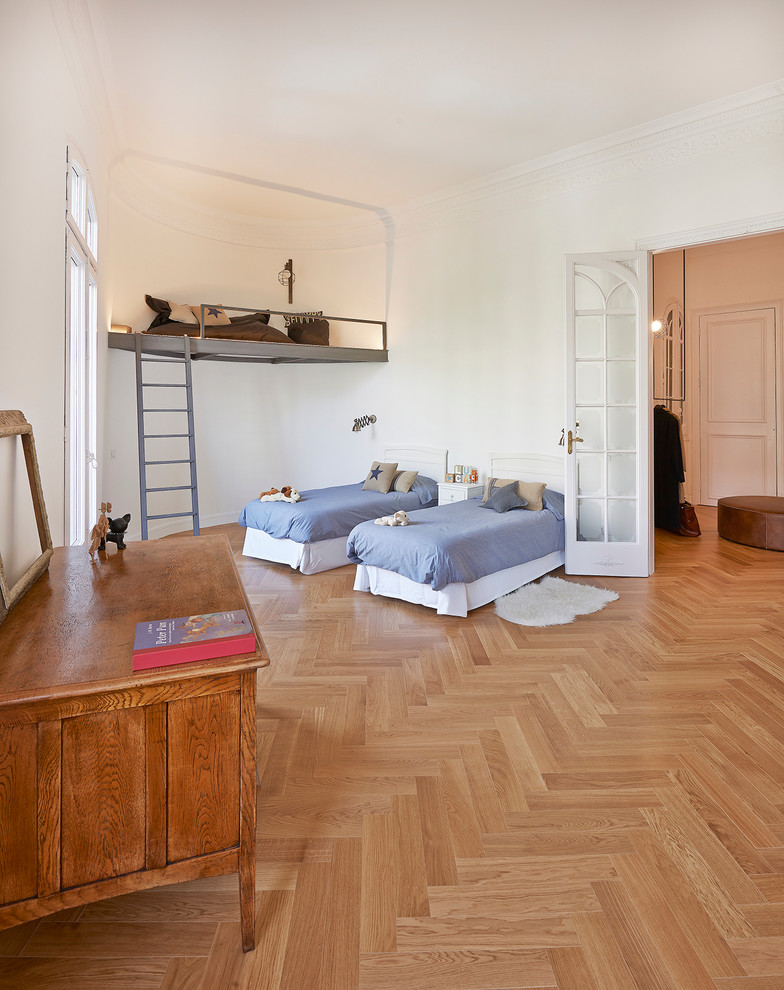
pixel 552 602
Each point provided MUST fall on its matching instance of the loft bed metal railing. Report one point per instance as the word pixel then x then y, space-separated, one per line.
pixel 279 312
pixel 223 348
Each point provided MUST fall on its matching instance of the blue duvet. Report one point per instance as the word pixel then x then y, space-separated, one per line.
pixel 459 542
pixel 329 513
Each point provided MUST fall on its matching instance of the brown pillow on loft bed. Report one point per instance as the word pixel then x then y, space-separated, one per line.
pixel 310 332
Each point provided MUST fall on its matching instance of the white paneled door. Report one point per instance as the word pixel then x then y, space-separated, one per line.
pixel 737 404
pixel 609 527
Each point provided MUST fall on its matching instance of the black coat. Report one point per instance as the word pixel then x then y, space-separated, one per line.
pixel 667 469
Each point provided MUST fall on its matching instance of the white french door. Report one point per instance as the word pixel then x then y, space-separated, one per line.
pixel 81 240
pixel 80 396
pixel 609 528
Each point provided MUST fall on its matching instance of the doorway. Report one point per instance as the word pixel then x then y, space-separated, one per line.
pixel 731 293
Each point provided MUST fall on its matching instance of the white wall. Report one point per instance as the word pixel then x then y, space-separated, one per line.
pixel 475 325
pixel 40 114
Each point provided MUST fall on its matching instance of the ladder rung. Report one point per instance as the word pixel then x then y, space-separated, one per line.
pixel 172 515
pixel 143 437
pixel 171 488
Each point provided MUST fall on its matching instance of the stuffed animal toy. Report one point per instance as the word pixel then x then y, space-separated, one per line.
pixel 288 494
pixel 99 530
pixel 400 518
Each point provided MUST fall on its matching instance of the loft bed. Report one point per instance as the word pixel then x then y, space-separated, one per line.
pixel 303 338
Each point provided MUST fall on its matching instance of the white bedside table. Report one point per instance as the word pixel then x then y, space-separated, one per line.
pixel 457 491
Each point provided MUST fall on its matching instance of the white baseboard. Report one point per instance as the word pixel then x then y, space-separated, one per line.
pixel 167 527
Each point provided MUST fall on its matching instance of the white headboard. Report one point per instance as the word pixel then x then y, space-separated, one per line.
pixel 529 467
pixel 429 461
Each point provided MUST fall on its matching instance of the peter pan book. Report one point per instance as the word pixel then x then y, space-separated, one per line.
pixel 208 636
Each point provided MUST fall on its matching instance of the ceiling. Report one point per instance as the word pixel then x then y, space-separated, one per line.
pixel 309 110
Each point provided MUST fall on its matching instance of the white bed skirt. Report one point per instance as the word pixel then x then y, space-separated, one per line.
pixel 455 599
pixel 309 558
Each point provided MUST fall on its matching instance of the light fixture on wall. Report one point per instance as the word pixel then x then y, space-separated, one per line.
pixel 361 421
pixel 121 328
pixel 286 277
pixel 659 328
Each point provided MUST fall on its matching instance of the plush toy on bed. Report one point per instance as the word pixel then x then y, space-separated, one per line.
pixel 400 518
pixel 287 494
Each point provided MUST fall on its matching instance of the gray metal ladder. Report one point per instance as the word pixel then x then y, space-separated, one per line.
pixel 141 409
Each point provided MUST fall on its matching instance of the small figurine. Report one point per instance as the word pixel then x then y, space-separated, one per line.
pixel 116 529
pixel 99 530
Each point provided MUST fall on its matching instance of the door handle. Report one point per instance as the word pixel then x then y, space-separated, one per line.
pixel 570 439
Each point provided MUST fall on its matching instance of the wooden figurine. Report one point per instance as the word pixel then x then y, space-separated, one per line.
pixel 99 530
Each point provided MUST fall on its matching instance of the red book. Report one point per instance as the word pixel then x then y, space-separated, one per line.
pixel 208 636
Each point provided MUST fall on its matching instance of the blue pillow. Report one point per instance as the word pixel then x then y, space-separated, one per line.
pixel 504 499
pixel 554 501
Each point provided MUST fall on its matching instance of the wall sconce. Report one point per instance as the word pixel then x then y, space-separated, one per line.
pixel 362 421
pixel 121 328
pixel 286 277
pixel 659 328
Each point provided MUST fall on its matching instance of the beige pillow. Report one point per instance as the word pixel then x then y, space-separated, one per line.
pixel 404 480
pixel 531 491
pixel 380 477
pixel 214 316
pixel 181 313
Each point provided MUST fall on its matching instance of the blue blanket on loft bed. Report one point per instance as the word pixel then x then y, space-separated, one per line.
pixel 460 542
pixel 329 513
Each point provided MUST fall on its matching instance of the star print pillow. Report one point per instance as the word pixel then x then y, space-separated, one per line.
pixel 214 316
pixel 380 477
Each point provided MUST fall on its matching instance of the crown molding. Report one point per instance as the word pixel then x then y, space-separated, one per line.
pixel 742 119
pixel 720 232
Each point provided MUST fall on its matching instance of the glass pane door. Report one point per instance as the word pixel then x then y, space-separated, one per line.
pixel 607 473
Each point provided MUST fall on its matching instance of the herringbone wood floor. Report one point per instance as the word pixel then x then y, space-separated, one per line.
pixel 452 804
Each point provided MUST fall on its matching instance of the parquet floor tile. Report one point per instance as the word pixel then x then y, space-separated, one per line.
pixel 466 804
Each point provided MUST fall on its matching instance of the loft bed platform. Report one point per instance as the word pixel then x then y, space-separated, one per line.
pixel 215 343
pixel 253 351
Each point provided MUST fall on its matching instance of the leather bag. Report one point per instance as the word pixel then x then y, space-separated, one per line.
pixel 690 524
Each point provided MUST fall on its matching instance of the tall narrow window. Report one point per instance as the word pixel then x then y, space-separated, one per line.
pixel 81 317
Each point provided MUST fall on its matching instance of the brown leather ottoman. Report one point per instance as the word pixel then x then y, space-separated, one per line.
pixel 756 520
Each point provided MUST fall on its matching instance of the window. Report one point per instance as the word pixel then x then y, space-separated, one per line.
pixel 81 317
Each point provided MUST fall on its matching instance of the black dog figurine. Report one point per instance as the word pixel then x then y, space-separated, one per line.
pixel 116 529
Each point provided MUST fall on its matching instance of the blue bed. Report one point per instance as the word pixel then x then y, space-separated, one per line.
pixel 310 535
pixel 459 556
